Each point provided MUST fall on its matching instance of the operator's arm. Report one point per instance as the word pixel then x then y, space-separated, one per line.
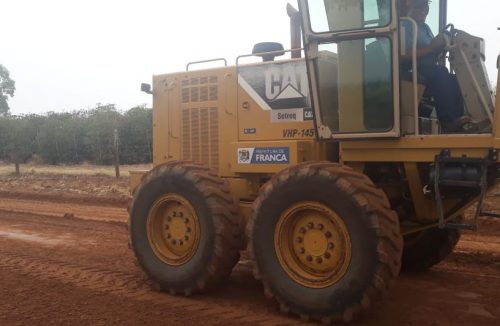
pixel 437 45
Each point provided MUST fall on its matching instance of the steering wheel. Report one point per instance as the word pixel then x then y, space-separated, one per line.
pixel 449 33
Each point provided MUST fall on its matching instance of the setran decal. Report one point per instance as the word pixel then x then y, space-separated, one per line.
pixel 281 88
pixel 264 155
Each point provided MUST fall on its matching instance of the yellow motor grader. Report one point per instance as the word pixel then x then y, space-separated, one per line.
pixel 330 166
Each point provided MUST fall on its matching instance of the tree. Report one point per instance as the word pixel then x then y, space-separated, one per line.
pixel 7 88
pixel 79 136
pixel 135 136
pixel 101 123
pixel 17 140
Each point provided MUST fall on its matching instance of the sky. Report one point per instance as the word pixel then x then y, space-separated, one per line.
pixel 69 55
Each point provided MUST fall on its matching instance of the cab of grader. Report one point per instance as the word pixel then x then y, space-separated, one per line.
pixel 328 167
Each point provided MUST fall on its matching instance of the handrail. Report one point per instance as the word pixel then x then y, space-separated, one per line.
pixel 414 71
pixel 205 61
pixel 264 53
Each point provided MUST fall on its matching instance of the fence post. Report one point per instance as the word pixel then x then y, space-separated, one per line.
pixel 117 156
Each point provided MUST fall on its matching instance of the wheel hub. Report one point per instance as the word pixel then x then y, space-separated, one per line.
pixel 173 229
pixel 312 244
pixel 315 243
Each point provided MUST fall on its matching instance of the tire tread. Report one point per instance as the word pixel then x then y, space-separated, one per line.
pixel 228 224
pixel 376 206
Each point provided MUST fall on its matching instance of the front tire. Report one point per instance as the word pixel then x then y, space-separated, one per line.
pixel 184 227
pixel 324 240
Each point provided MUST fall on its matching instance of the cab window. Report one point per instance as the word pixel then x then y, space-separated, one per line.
pixel 355 85
pixel 343 15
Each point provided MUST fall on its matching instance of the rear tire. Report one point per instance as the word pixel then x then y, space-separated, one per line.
pixel 428 248
pixel 324 240
pixel 184 227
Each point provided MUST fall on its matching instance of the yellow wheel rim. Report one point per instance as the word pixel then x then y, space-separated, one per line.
pixel 312 244
pixel 173 229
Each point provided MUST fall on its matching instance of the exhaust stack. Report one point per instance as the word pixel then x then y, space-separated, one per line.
pixel 295 30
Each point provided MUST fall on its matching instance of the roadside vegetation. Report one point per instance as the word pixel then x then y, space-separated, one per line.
pixel 85 136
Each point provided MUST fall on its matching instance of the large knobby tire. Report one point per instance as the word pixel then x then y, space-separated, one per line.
pixel 324 240
pixel 185 229
pixel 428 248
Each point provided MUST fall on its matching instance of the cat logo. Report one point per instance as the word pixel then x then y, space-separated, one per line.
pixel 277 86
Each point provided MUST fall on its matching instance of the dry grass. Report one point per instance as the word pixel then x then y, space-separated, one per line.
pixel 84 169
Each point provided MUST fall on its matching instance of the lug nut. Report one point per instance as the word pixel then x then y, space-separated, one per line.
pixel 169 236
pixel 181 214
pixel 302 230
pixel 327 255
pixel 167 227
pixel 169 219
pixel 309 258
pixel 310 225
pixel 186 220
pixel 320 226
pixel 302 251
pixel 328 234
pixel 174 242
pixel 188 230
pixel 186 238
pixel 299 240
pixel 331 246
pixel 319 260
pixel 181 242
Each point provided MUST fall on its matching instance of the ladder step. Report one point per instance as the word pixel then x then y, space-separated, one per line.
pixel 489 214
pixel 458 226
pixel 459 183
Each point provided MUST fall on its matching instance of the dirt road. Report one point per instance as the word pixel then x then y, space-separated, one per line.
pixel 65 261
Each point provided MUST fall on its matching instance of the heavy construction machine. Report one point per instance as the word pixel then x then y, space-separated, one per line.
pixel 329 167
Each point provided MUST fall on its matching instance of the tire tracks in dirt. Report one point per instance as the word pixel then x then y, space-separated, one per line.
pixel 115 201
pixel 472 268
pixel 67 209
pixel 130 286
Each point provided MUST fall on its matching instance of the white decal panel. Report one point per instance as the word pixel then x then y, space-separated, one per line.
pixel 281 88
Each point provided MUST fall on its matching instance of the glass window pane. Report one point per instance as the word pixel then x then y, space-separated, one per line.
pixel 433 17
pixel 340 15
pixel 355 85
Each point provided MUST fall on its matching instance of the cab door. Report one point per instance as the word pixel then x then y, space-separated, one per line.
pixel 352 55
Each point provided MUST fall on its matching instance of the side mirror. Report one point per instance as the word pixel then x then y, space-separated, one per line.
pixel 146 88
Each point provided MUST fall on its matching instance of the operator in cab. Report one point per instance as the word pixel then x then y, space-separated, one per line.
pixel 440 84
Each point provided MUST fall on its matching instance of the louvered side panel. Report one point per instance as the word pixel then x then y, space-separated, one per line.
pixel 186 135
pixel 214 138
pixel 205 136
pixel 200 120
pixel 195 134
